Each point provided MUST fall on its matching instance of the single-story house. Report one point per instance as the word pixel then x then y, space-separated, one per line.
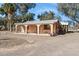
pixel 39 27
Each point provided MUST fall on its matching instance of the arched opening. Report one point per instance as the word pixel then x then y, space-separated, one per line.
pixel 21 28
pixel 32 28
pixel 44 28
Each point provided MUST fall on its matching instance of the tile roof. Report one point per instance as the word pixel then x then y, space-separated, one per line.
pixel 39 22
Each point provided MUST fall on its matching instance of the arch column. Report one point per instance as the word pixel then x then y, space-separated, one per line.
pixel 51 28
pixel 16 28
pixel 38 29
pixel 26 29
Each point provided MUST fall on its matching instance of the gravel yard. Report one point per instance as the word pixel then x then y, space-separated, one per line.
pixel 33 45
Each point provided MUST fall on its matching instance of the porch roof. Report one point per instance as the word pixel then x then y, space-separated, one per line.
pixel 64 23
pixel 39 22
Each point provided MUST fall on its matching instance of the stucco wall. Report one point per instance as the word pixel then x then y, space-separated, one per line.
pixel 56 27
pixel 31 28
pixel 42 30
pixel 20 28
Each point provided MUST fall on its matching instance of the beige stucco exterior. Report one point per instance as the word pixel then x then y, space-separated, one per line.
pixel 49 28
pixel 31 28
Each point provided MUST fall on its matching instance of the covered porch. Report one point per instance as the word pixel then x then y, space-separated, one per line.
pixel 38 28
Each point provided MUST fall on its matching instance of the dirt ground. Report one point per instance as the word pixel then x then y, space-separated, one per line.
pixel 12 44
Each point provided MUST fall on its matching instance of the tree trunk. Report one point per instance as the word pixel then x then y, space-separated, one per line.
pixel 8 26
pixel 9 18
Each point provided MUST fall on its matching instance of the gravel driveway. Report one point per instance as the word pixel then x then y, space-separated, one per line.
pixel 32 45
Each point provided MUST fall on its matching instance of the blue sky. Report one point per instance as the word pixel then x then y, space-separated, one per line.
pixel 41 7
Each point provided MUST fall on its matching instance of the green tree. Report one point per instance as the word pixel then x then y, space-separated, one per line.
pixel 23 8
pixel 29 17
pixel 70 9
pixel 26 17
pixel 46 16
pixel 58 18
pixel 1 21
pixel 9 10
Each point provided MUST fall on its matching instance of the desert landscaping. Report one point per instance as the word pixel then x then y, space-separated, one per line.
pixel 34 45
